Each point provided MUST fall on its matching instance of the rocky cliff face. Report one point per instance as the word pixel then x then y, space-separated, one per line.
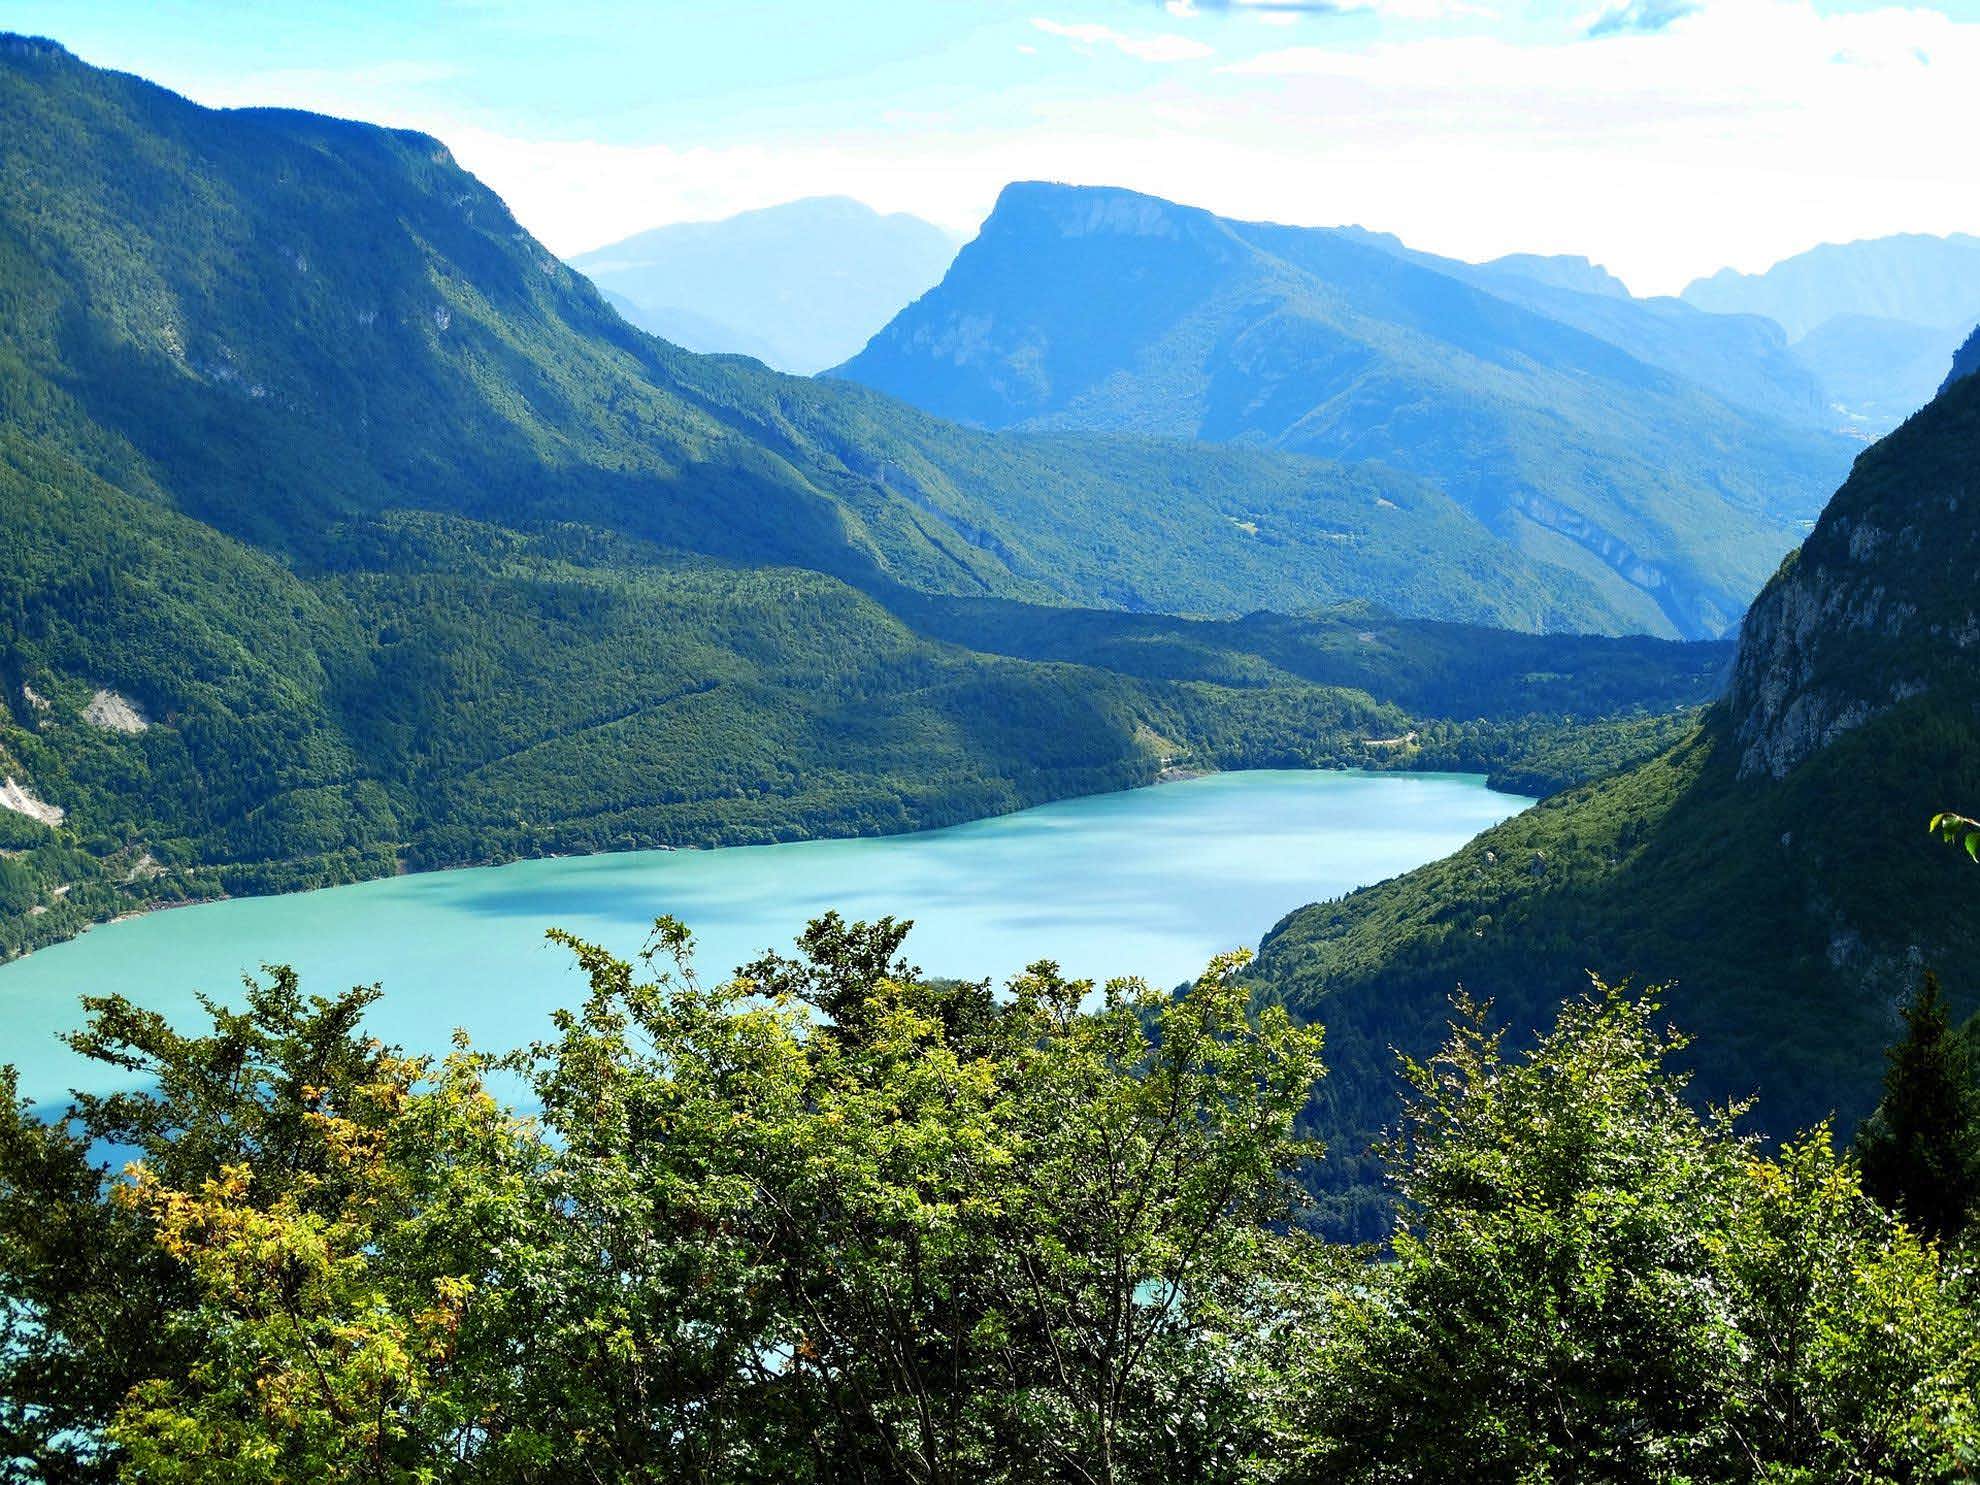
pixel 1966 361
pixel 1882 603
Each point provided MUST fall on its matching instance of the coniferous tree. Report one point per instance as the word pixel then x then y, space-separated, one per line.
pixel 1920 1151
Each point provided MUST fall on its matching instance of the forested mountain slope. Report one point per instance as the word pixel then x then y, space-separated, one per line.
pixel 277 322
pixel 1773 867
pixel 1966 360
pixel 1103 309
pixel 342 528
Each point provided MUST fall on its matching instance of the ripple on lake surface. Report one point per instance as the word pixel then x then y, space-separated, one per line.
pixel 1149 882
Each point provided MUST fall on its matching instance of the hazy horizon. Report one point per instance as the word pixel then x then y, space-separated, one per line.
pixel 1663 139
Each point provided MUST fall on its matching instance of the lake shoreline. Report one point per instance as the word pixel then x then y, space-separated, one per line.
pixel 1150 881
pixel 400 866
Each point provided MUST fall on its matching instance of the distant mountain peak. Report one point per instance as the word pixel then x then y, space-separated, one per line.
pixel 1562 271
pixel 1090 211
pixel 1387 241
pixel 817 208
pixel 1908 276
pixel 800 285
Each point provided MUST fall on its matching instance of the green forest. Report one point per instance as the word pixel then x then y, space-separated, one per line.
pixel 441 691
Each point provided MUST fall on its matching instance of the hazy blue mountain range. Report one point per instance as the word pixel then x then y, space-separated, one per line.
pixel 800 286
pixel 343 529
pixel 1772 869
pixel 1741 359
pixel 1878 372
pixel 1912 278
pixel 1104 309
pixel 1873 321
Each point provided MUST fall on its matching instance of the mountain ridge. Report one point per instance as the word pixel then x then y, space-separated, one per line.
pixel 1560 271
pixel 1873 319
pixel 707 454
pixel 1916 277
pixel 1099 308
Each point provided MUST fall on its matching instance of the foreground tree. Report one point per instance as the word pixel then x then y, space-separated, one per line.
pixel 831 1220
pixel 1598 1282
pixel 1920 1150
pixel 92 1303
pixel 87 1301
pixel 929 1238
pixel 1547 1304
pixel 934 1237
pixel 338 1315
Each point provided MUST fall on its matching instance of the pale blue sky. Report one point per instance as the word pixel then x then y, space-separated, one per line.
pixel 1660 136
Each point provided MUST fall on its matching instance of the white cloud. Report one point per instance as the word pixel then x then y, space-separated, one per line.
pixel 1288 12
pixel 1741 133
pixel 1165 48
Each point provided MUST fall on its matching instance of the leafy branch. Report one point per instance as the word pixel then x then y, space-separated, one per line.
pixel 1958 830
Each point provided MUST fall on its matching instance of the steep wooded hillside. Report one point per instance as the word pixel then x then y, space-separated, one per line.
pixel 1772 868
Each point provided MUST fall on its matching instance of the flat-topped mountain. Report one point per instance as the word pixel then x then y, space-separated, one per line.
pixel 1104 309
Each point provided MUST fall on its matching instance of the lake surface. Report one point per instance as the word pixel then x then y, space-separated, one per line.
pixel 1150 882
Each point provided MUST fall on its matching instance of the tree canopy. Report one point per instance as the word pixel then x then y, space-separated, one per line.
pixel 830 1219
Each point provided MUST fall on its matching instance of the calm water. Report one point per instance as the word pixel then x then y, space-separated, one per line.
pixel 1150 882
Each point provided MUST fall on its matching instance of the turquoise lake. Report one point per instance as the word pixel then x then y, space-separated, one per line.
pixel 1150 882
